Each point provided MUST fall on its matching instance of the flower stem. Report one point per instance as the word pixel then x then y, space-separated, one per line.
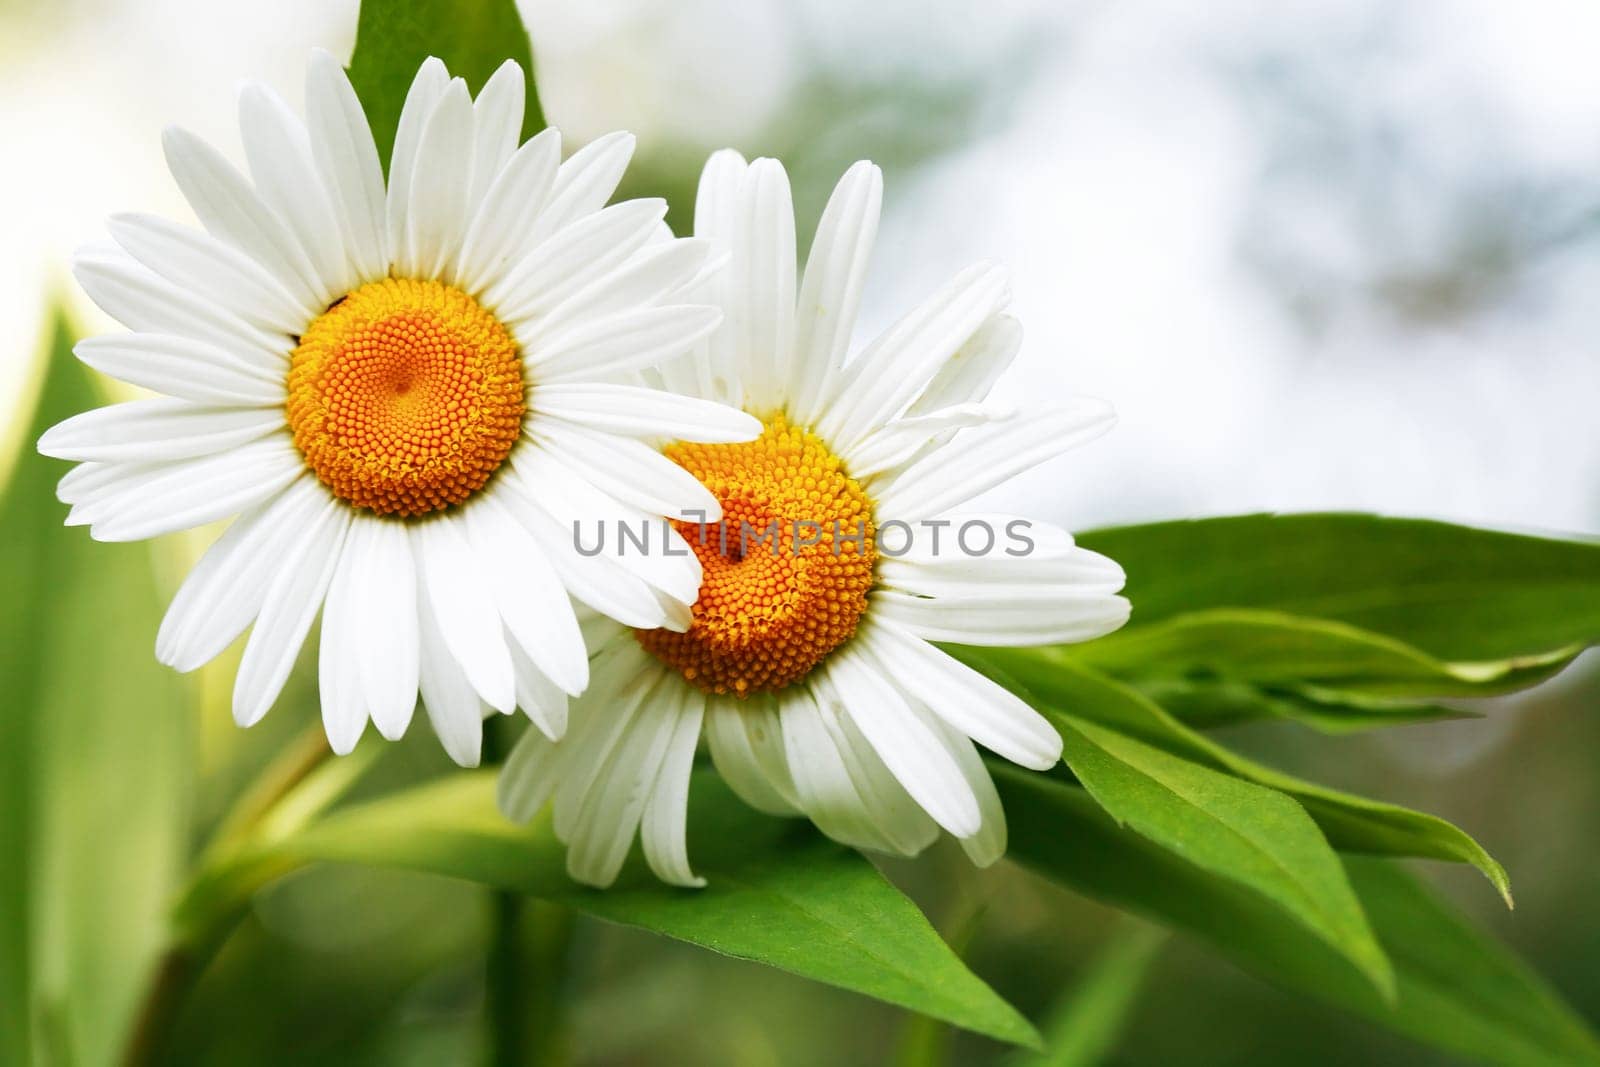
pixel 288 793
pixel 525 983
pixel 524 980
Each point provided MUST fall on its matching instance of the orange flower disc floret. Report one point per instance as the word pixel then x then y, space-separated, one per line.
pixel 787 570
pixel 405 396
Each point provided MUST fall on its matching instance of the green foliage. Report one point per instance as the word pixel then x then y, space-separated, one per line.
pixel 1085 1023
pixel 1455 989
pixel 94 751
pixel 1351 823
pixel 1341 622
pixel 779 892
pixel 1271 648
pixel 1452 592
pixel 473 37
pixel 1243 832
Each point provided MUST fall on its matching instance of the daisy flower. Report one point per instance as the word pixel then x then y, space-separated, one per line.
pixel 809 664
pixel 402 392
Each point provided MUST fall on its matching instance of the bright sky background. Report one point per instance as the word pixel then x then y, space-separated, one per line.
pixel 1207 210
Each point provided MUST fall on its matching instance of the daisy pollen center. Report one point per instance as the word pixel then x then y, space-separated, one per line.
pixel 405 396
pixel 786 571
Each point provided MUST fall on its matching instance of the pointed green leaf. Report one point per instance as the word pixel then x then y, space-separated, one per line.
pixel 779 892
pixel 1456 989
pixel 1270 648
pixel 1456 593
pixel 94 743
pixel 473 37
pixel 1240 831
pixel 1352 823
pixel 1210 703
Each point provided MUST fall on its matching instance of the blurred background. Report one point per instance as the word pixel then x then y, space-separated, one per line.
pixel 1336 254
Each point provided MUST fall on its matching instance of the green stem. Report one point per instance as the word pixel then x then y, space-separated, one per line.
pixel 291 791
pixel 175 974
pixel 524 978
pixel 526 982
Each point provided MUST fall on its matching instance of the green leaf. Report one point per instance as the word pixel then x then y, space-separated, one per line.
pixel 473 37
pixel 1270 648
pixel 1456 593
pixel 779 892
pixel 1209 703
pixel 1456 989
pixel 94 750
pixel 1084 1025
pixel 1244 832
pixel 1351 823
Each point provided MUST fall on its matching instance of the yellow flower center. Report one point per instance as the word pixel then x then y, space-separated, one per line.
pixel 405 396
pixel 787 570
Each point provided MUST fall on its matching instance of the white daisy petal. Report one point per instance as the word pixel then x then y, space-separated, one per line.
pixel 156 430
pixel 339 689
pixel 636 412
pixel 983 457
pixel 427 89
pixel 899 364
pixel 565 264
pixel 531 599
pixel 1004 617
pixel 716 211
pixel 905 827
pixel 214 271
pixel 187 369
pixel 608 716
pixel 1036 556
pixel 231 210
pixel 974 706
pixel 578 507
pixel 628 470
pixel 621 343
pixel 142 300
pixel 899 826
pixel 529 776
pixel 599 581
pixel 460 593
pixel 497 121
pixel 385 586
pixel 168 497
pixel 664 827
pixel 989 843
pixel 916 755
pixel 89 481
pixel 827 793
pixel 454 708
pixel 643 281
pixel 830 291
pixel 226 588
pixel 611 814
pixel 436 217
pixel 761 314
pixel 584 183
pixel 279 153
pixel 290 605
pixel 347 158
pixel 540 699
pixel 967 376
pixel 747 746
pixel 893 446
pixel 496 237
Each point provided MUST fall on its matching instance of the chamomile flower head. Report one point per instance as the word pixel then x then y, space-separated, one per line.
pixel 402 392
pixel 810 663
